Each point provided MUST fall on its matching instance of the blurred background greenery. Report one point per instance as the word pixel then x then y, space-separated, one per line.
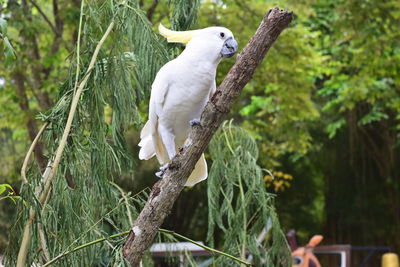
pixel 323 108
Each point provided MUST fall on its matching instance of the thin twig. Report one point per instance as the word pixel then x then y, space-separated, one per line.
pixel 53 28
pixel 128 210
pixel 244 243
pixel 83 234
pixel 164 231
pixel 51 174
pixel 62 255
pixel 72 111
pixel 43 242
pixel 108 242
pixel 78 46
pixel 28 155
pixel 212 250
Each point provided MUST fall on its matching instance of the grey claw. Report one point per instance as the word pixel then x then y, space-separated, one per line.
pixel 195 122
pixel 164 167
pixel 160 174
pixel 162 171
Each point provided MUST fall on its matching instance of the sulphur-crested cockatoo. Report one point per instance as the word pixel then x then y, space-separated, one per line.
pixel 180 92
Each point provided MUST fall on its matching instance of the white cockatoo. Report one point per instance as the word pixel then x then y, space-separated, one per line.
pixel 180 92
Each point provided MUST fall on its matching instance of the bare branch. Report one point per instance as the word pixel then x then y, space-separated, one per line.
pixel 125 197
pixel 49 176
pixel 43 242
pixel 34 53
pixel 150 11
pixel 53 28
pixel 59 28
pixel 57 39
pixel 30 151
pixel 19 79
pixel 164 231
pixel 167 190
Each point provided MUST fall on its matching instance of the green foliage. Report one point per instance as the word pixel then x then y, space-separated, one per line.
pixel 323 109
pixel 83 205
pixel 8 193
pixel 276 106
pixel 359 96
pixel 29 82
pixel 6 47
pixel 331 78
pixel 362 47
pixel 239 204
pixel 184 13
pixel 333 127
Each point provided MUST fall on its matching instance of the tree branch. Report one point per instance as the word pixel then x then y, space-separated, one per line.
pixel 30 151
pixel 19 81
pixel 57 39
pixel 213 251
pixel 163 231
pixel 50 175
pixel 53 28
pixel 167 190
pixel 59 28
pixel 34 53
pixel 150 11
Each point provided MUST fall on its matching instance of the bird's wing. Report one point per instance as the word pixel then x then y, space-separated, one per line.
pixel 200 171
pixel 159 93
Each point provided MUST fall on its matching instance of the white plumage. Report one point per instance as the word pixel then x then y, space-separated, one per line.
pixel 180 92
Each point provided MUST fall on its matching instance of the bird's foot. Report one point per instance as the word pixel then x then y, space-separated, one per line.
pixel 195 122
pixel 162 170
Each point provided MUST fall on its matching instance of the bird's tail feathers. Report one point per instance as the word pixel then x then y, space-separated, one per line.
pixel 147 150
pixel 146 130
pixel 151 145
pixel 160 151
pixel 199 173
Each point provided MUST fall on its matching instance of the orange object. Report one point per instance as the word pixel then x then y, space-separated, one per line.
pixel 304 256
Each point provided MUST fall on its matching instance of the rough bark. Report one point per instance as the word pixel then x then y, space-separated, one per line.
pixel 165 192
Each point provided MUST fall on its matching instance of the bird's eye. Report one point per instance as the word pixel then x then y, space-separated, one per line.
pixel 222 34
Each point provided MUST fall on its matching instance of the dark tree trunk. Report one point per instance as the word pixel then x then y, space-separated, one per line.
pixel 19 80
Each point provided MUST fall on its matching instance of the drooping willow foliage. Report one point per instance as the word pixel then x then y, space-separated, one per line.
pixel 83 205
pixel 239 204
pixel 184 13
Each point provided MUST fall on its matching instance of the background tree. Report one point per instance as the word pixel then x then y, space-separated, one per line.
pixel 73 201
pixel 360 97
pixel 42 37
pixel 323 111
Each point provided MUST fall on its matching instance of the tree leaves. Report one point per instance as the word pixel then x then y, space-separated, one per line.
pixel 95 151
pixel 238 202
pixel 6 47
pixel 10 194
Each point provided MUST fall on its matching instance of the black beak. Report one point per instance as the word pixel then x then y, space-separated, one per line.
pixel 229 48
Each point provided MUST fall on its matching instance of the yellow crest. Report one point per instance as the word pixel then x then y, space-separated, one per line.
pixel 176 36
